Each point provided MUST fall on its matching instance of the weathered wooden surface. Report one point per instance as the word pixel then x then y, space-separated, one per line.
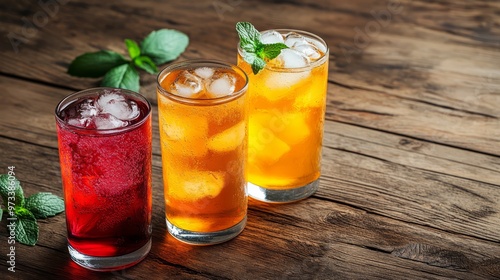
pixel 410 185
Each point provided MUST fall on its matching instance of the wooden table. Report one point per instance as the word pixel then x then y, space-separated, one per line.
pixel 410 185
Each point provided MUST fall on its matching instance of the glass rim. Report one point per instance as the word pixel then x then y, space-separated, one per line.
pixel 202 63
pixel 313 64
pixel 100 132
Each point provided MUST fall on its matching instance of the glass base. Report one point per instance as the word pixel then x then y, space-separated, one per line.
pixel 282 196
pixel 206 238
pixel 109 263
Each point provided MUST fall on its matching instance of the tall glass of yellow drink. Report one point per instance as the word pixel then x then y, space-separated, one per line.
pixel 286 115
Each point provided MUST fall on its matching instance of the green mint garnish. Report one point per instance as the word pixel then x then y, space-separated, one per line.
pixel 255 52
pixel 164 45
pixel 133 49
pixel 146 64
pixel 26 227
pixel 6 186
pixel 95 64
pixel 124 76
pixel 158 47
pixel 44 204
pixel 22 213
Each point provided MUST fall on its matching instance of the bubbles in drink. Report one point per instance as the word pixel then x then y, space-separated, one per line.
pixel 271 37
pixel 108 110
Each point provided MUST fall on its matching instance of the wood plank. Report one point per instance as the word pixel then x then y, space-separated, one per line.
pixel 419 64
pixel 408 191
pixel 352 242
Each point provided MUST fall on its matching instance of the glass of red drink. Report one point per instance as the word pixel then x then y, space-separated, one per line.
pixel 104 137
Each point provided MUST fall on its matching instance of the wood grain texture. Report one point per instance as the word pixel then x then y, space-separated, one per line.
pixel 410 185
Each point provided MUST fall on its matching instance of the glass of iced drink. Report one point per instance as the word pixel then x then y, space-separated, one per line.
pixel 203 127
pixel 286 114
pixel 104 139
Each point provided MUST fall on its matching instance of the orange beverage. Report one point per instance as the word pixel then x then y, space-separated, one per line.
pixel 203 132
pixel 286 115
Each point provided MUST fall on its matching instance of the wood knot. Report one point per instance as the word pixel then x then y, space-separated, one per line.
pixel 404 142
pixel 433 255
pixel 407 143
pixel 337 218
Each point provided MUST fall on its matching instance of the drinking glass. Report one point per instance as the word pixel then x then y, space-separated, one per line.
pixel 286 114
pixel 104 137
pixel 203 132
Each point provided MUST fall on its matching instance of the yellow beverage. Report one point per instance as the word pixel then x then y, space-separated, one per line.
pixel 203 127
pixel 286 116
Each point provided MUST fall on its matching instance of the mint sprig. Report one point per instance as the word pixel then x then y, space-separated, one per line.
pixel 22 212
pixel 158 47
pixel 254 51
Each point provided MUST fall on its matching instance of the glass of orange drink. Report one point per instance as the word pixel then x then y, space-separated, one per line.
pixel 287 100
pixel 203 120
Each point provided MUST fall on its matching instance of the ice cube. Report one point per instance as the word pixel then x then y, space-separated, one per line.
pixel 117 105
pixel 122 110
pixel 108 121
pixel 264 145
pixel 194 185
pixel 222 85
pixel 184 134
pixel 204 72
pixel 109 97
pixel 78 122
pixel 294 39
pixel 271 37
pixel 312 98
pixel 88 109
pixel 320 46
pixel 228 139
pixel 309 50
pixel 296 129
pixel 187 84
pixel 282 83
pixel 290 58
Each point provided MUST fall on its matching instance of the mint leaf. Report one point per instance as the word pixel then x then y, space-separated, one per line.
pixel 44 204
pixel 133 49
pixel 1 213
pixel 123 76
pixel 26 227
pixel 255 52
pixel 164 45
pixel 95 64
pixel 146 64
pixel 270 51
pixel 247 33
pixel 11 188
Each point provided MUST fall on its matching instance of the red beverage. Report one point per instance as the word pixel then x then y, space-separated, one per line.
pixel 105 153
